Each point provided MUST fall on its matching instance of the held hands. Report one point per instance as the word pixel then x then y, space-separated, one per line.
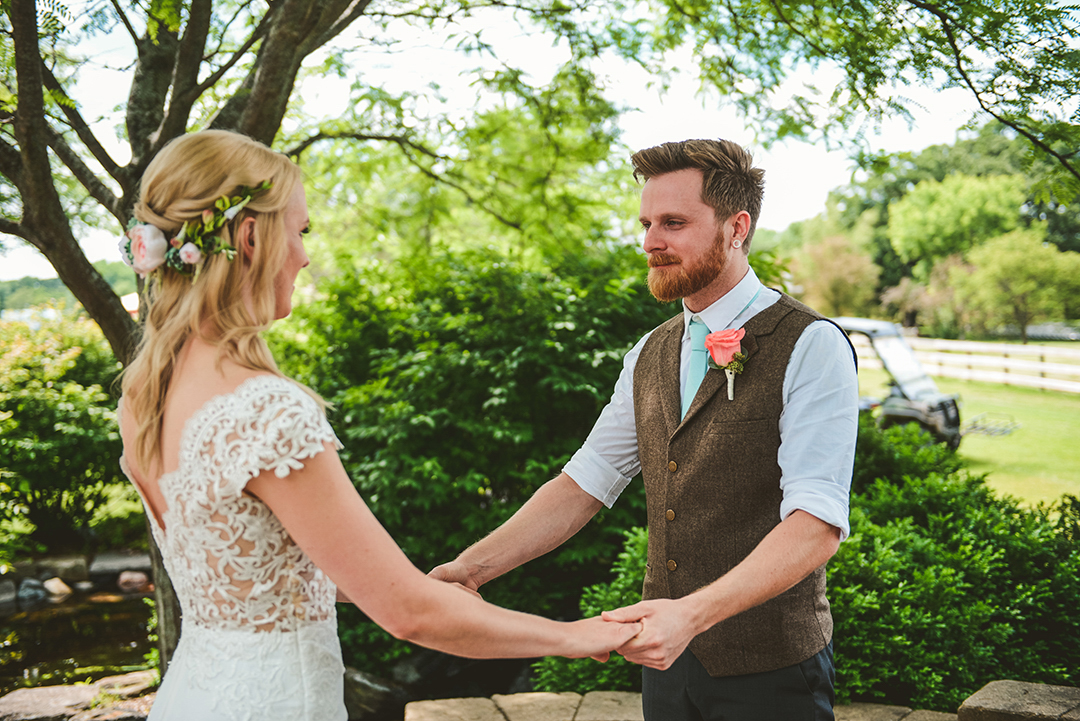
pixel 597 637
pixel 667 628
pixel 591 637
pixel 456 572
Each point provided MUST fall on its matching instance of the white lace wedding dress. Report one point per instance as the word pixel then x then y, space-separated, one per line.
pixel 259 631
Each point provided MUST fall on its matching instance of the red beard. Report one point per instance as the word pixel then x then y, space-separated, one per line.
pixel 677 279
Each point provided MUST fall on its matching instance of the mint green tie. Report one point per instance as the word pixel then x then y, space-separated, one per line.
pixel 698 362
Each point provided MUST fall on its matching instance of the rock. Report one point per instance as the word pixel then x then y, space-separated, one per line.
pixel 110 713
pixel 57 588
pixel 71 568
pixel 46 703
pixel 128 685
pixel 610 706
pixel 135 709
pixel 133 582
pixel 1007 700
pixel 8 591
pixel 870 712
pixel 31 591
pixel 110 564
pixel 538 706
pixel 930 716
pixel 84 586
pixel 369 698
pixel 454 709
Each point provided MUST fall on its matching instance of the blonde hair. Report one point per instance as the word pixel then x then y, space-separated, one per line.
pixel 730 182
pixel 183 180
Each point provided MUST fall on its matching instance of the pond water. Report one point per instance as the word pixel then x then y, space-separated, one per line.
pixel 84 637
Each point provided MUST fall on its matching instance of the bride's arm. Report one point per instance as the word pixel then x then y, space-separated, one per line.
pixel 324 514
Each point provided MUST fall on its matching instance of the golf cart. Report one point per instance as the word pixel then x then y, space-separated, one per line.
pixel 913 395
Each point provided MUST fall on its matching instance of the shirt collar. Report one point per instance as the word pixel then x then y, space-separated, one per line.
pixel 722 314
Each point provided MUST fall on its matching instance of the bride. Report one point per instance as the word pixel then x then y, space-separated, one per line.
pixel 259 526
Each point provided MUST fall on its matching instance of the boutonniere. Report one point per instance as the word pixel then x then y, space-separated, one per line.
pixel 725 353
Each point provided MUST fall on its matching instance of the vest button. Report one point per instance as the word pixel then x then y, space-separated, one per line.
pixel 671 565
pixel 670 515
pixel 672 466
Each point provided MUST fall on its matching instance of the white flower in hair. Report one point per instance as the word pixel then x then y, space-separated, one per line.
pixel 125 251
pixel 232 212
pixel 147 249
pixel 190 253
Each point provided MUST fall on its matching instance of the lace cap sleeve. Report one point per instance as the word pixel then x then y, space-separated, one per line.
pixel 270 425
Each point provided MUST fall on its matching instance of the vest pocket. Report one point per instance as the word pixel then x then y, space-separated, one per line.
pixel 753 427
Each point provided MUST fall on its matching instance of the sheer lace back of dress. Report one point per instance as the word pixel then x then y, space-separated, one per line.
pixel 230 560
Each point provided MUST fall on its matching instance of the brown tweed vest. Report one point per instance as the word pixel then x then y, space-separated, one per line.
pixel 712 487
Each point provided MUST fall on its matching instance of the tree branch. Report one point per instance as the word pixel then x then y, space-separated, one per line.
pixel 798 33
pixel 10 227
pixel 287 42
pixel 958 64
pixel 44 223
pixel 185 75
pixel 79 125
pixel 149 89
pixel 406 144
pixel 354 11
pixel 82 172
pixel 11 164
pixel 258 34
pixel 124 21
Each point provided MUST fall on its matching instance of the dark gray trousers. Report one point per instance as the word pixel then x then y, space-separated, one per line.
pixel 686 692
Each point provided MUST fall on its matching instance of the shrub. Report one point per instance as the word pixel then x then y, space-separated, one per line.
pixel 941 588
pixel 463 384
pixel 582 675
pixel 59 444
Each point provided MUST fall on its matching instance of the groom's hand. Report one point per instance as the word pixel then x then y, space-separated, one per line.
pixel 456 572
pixel 668 629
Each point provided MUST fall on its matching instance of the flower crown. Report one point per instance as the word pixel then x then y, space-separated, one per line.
pixel 145 249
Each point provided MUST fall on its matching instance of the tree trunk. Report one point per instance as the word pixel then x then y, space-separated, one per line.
pixel 166 604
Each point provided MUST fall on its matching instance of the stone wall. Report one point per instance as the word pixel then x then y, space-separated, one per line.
pixel 116 699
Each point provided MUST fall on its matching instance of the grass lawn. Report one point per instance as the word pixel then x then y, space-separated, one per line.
pixel 1040 461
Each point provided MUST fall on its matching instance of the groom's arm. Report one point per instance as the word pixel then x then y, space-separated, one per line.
pixel 558 510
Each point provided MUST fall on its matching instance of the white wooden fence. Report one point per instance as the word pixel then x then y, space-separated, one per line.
pixel 1034 366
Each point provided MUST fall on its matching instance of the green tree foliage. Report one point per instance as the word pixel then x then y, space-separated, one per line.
pixel 941 588
pixel 31 292
pixel 1015 279
pixel 527 178
pixel 59 443
pixel 233 66
pixel 837 278
pixel 940 218
pixel 1016 58
pixel 460 385
pixel 991 150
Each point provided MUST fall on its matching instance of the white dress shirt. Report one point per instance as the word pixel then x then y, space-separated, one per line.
pixel 818 425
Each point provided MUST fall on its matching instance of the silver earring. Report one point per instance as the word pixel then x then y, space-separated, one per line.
pixel 736 244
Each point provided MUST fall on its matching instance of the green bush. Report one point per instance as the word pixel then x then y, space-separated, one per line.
pixel 460 385
pixel 941 588
pixel 582 675
pixel 59 444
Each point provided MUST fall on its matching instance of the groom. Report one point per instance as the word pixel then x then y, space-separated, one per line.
pixel 746 479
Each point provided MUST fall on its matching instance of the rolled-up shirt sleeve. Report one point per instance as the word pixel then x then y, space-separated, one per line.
pixel 818 426
pixel 608 460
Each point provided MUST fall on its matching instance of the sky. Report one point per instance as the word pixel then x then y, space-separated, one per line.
pixel 798 175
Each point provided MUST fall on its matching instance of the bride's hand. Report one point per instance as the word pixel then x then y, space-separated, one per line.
pixel 597 637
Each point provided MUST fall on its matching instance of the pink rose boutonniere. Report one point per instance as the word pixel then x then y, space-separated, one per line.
pixel 725 353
